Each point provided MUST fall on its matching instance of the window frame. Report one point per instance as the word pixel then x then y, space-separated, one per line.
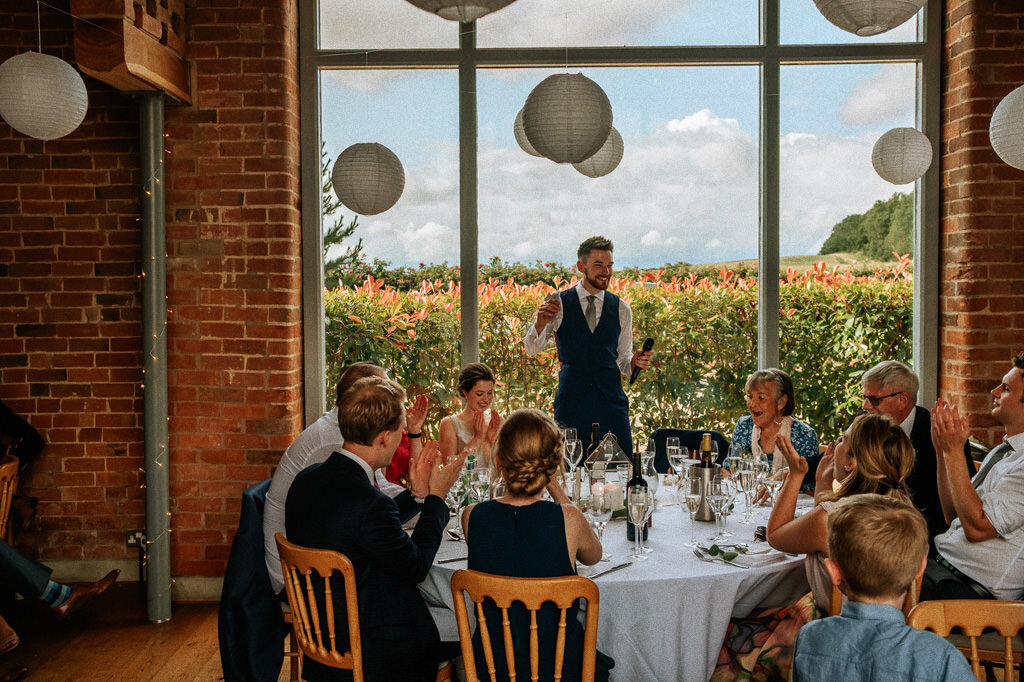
pixel 770 55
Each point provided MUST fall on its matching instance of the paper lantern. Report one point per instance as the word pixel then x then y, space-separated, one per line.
pixel 1006 130
pixel 901 155
pixel 868 17
pixel 368 178
pixel 524 144
pixel 461 10
pixel 567 117
pixel 41 96
pixel 605 160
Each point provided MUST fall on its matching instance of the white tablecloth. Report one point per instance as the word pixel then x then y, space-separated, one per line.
pixel 663 618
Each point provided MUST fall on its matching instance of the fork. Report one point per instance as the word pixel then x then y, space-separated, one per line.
pixel 703 557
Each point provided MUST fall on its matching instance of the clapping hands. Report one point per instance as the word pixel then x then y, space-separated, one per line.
pixel 417 414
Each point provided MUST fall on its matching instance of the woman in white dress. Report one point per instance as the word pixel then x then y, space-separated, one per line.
pixel 476 426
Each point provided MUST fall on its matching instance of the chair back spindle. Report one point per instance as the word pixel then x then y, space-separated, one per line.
pixel 532 593
pixel 973 616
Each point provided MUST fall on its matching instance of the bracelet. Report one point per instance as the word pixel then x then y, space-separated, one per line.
pixel 414 435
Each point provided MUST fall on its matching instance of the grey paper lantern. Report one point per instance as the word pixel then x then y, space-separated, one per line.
pixel 567 117
pixel 868 17
pixel 1006 130
pixel 368 178
pixel 461 10
pixel 901 155
pixel 605 160
pixel 41 96
pixel 524 144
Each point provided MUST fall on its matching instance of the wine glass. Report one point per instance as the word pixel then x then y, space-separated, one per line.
pixel 734 457
pixel 717 498
pixel 681 462
pixel 714 451
pixel 599 511
pixel 639 503
pixel 746 478
pixel 690 492
pixel 480 482
pixel 672 452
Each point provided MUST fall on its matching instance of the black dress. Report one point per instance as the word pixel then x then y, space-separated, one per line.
pixel 526 542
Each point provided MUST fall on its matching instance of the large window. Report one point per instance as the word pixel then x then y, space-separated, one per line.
pixel 747 130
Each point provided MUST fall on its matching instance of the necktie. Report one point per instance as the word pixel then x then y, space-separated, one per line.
pixel 591 313
pixel 997 453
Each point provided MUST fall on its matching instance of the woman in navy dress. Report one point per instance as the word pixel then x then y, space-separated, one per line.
pixel 525 536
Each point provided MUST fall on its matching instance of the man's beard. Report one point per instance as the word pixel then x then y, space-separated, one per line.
pixel 595 285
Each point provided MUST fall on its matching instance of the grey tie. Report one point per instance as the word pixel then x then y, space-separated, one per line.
pixel 993 458
pixel 591 313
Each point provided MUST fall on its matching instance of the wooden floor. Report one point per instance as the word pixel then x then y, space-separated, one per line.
pixel 109 639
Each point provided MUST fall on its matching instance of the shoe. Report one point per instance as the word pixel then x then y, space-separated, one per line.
pixel 81 595
pixel 9 642
pixel 15 674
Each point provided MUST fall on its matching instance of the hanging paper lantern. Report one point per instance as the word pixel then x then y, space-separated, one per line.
pixel 368 178
pixel 461 10
pixel 605 160
pixel 1006 130
pixel 901 155
pixel 868 17
pixel 524 144
pixel 41 96
pixel 567 117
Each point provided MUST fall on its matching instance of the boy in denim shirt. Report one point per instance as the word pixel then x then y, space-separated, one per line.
pixel 877 547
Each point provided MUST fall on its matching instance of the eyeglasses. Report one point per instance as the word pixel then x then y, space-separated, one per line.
pixel 876 399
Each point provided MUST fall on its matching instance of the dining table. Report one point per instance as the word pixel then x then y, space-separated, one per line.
pixel 665 617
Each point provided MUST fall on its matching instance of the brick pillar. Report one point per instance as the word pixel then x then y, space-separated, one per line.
pixel 982 307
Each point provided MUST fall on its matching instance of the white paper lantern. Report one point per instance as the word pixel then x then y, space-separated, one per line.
pixel 605 160
pixel 901 155
pixel 461 10
pixel 1006 130
pixel 868 17
pixel 368 178
pixel 524 143
pixel 41 96
pixel 567 117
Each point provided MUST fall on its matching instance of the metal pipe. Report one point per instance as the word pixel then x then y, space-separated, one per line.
pixel 468 227
pixel 768 241
pixel 154 360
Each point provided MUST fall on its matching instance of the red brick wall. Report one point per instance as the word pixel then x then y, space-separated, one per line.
pixel 70 351
pixel 982 306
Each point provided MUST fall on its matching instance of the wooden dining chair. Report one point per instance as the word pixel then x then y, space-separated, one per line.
pixel 312 626
pixel 835 604
pixel 532 593
pixel 973 616
pixel 8 484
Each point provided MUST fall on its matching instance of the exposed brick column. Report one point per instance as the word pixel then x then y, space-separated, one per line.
pixel 982 303
pixel 234 271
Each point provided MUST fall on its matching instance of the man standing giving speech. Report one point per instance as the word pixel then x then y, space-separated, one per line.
pixel 593 331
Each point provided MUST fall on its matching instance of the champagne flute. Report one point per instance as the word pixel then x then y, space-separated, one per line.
pixel 734 457
pixel 672 451
pixel 714 451
pixel 717 498
pixel 746 476
pixel 638 505
pixel 600 512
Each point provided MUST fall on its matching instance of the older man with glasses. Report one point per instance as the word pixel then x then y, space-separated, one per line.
pixel 890 389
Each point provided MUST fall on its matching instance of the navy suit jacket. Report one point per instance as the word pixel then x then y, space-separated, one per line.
pixel 333 505
pixel 922 478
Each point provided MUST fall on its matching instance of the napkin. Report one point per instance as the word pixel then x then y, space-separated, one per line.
pixel 763 558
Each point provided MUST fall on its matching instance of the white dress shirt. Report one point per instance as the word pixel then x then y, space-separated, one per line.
pixel 314 445
pixel 535 341
pixel 996 562
pixel 907 425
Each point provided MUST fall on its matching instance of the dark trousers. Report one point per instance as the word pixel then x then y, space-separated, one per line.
pixel 941 581
pixel 21 574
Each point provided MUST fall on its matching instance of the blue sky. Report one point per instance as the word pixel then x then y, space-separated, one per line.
pixel 687 186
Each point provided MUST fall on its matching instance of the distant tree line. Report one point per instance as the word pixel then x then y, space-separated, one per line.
pixel 887 227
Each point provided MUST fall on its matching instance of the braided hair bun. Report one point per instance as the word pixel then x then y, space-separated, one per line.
pixel 529 451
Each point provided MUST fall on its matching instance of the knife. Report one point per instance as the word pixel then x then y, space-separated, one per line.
pixel 610 569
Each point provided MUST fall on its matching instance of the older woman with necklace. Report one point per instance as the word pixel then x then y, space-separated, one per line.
pixel 771 401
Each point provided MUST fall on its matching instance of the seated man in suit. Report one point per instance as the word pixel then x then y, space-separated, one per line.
pixel 314 445
pixel 334 505
pixel 979 557
pixel 890 389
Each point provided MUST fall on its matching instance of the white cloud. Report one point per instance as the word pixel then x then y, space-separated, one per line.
pixel 886 96
pixel 687 191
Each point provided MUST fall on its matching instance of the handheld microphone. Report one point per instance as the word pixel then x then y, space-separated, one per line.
pixel 648 345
